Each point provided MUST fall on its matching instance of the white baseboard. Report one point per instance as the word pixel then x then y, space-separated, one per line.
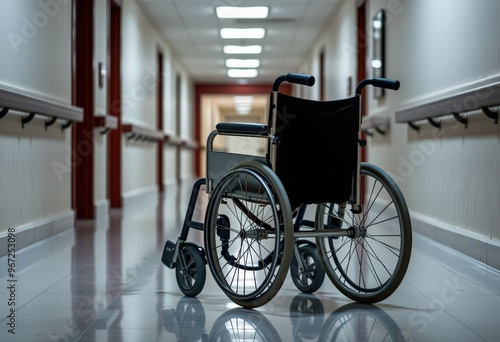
pixel 473 245
pixel 138 197
pixel 101 209
pixel 493 254
pixel 170 183
pixel 29 234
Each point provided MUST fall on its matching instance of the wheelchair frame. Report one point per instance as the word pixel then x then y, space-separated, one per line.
pixel 308 263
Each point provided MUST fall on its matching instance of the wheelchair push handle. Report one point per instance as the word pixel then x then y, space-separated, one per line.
pixel 386 83
pixel 307 80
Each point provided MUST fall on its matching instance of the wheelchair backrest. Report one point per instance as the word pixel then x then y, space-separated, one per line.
pixel 317 155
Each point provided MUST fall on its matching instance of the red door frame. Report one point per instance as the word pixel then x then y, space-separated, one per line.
pixel 83 96
pixel 114 105
pixel 362 43
pixel 178 108
pixel 159 120
pixel 226 89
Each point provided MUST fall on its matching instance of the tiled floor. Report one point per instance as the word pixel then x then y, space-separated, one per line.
pixel 104 281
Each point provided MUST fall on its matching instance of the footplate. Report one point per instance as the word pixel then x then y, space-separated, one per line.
pixel 169 256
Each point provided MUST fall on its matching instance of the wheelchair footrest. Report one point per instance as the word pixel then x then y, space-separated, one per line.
pixel 168 258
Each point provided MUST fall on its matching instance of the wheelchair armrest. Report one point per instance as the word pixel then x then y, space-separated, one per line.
pixel 242 128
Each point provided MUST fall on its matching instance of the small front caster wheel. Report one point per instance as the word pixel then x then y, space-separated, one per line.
pixel 309 274
pixel 190 271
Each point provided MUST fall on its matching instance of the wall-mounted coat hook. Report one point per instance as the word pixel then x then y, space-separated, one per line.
pixel 138 137
pixel 380 130
pixel 104 131
pixel 66 125
pixel 368 133
pixel 414 126
pixel 434 123
pixel 491 114
pixel 131 136
pixel 464 121
pixel 50 122
pixel 4 112
pixel 27 119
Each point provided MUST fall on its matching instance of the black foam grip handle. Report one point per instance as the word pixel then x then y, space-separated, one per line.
pixel 386 83
pixel 307 80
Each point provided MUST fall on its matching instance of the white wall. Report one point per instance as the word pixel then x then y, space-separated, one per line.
pixel 139 48
pixel 449 44
pixel 32 191
pixel 450 178
pixel 187 127
pixel 140 45
pixel 36 58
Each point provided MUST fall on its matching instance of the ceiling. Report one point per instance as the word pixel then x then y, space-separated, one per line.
pixel 192 31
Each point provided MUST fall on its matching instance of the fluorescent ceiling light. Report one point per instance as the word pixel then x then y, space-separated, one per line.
pixel 250 33
pixel 242 63
pixel 243 99
pixel 238 49
pixel 243 104
pixel 231 12
pixel 234 73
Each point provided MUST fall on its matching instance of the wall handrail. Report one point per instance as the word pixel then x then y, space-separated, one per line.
pixel 171 139
pixel 190 144
pixel 15 99
pixel 106 122
pixel 136 132
pixel 477 98
pixel 377 123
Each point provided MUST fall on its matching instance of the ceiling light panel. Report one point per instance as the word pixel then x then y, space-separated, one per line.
pixel 230 12
pixel 239 49
pixel 246 33
pixel 243 104
pixel 242 63
pixel 242 73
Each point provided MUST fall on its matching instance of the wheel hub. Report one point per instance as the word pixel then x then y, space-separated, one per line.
pixel 257 234
pixel 356 232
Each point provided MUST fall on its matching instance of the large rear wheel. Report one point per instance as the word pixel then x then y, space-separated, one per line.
pixel 369 264
pixel 249 234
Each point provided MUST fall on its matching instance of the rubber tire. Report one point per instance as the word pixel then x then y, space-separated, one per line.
pixel 317 274
pixel 279 270
pixel 190 279
pixel 338 274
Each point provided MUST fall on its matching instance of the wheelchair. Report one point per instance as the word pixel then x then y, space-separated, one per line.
pixel 255 229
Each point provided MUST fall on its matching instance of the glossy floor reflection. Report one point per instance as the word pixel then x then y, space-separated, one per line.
pixel 104 281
